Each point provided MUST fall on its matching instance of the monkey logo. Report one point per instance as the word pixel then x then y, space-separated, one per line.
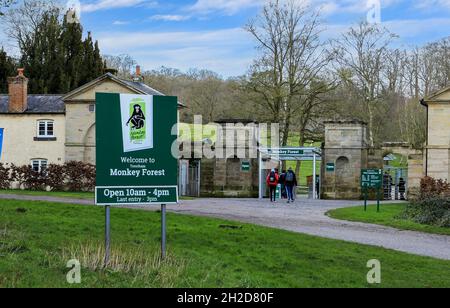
pixel 137 118
pixel 136 122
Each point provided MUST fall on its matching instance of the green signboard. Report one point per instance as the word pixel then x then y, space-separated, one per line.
pixel 286 152
pixel 245 166
pixel 331 167
pixel 372 178
pixel 135 164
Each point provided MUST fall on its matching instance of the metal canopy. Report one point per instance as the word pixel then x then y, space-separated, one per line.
pixel 289 154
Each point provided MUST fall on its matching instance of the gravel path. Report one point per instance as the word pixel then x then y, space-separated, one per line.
pixel 305 216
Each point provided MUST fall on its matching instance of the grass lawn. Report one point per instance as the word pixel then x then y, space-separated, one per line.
pixel 59 194
pixel 389 216
pixel 74 195
pixel 37 239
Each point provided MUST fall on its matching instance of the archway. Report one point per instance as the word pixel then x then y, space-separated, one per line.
pixel 89 145
pixel 344 175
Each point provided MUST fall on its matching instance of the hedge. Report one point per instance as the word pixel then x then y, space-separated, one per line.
pixel 72 176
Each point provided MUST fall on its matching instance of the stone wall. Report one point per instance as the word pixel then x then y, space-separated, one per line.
pixel 345 149
pixel 224 178
pixel 415 174
pixel 19 144
pixel 80 122
pixel 438 145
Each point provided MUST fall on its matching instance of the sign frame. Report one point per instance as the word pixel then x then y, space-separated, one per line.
pixel 130 122
pixel 135 187
pixel 372 182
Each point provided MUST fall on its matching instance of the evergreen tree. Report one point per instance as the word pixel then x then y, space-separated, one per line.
pixel 44 58
pixel 72 44
pixel 57 59
pixel 93 66
pixel 7 69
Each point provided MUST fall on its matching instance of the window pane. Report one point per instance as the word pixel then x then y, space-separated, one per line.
pixel 35 165
pixel 49 128
pixel 43 165
pixel 41 128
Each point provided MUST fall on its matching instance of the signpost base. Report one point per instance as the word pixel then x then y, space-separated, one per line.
pixel 107 234
pixel 163 232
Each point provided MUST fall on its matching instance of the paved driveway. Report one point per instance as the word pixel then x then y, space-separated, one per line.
pixel 305 216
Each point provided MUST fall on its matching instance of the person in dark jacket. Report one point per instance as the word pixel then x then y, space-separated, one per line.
pixel 402 188
pixel 272 182
pixel 291 183
pixel 282 182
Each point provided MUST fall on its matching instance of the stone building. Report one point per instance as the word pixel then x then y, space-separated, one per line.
pixel 53 129
pixel 232 176
pixel 80 113
pixel 34 126
pixel 345 154
pixel 437 150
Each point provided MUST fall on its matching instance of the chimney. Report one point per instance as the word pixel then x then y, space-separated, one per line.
pixel 137 77
pixel 18 92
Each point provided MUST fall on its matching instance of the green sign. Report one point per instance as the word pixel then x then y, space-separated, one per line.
pixel 331 167
pixel 135 164
pixel 286 152
pixel 245 166
pixel 372 178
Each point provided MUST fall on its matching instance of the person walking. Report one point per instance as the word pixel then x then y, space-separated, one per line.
pixel 272 181
pixel 402 189
pixel 291 183
pixel 282 182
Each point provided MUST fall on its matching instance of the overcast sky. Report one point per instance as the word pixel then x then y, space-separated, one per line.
pixel 208 34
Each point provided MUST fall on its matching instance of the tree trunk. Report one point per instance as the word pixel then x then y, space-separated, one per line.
pixel 301 142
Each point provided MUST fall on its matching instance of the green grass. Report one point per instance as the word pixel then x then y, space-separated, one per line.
pixel 35 238
pixel 389 216
pixel 58 194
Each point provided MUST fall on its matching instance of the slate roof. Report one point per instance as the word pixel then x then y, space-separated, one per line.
pixel 38 104
pixel 54 104
pixel 142 87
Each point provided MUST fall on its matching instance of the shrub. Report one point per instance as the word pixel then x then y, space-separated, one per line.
pixel 432 187
pixel 5 182
pixel 433 205
pixel 28 178
pixel 80 176
pixel 73 176
pixel 56 177
pixel 433 210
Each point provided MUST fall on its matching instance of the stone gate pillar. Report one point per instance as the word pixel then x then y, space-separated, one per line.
pixel 345 153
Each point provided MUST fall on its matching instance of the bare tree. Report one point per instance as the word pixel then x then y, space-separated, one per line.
pixel 21 22
pixel 124 64
pixel 5 4
pixel 287 78
pixel 364 52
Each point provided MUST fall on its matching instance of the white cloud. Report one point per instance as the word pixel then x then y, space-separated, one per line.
pixel 229 7
pixel 228 52
pixel 114 4
pixel 120 23
pixel 170 17
pixel 432 4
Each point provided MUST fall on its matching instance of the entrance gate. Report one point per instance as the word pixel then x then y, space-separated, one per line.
pixel 269 157
pixel 189 178
pixel 395 183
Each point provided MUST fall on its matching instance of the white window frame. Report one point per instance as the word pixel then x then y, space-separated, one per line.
pixel 41 162
pixel 46 124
